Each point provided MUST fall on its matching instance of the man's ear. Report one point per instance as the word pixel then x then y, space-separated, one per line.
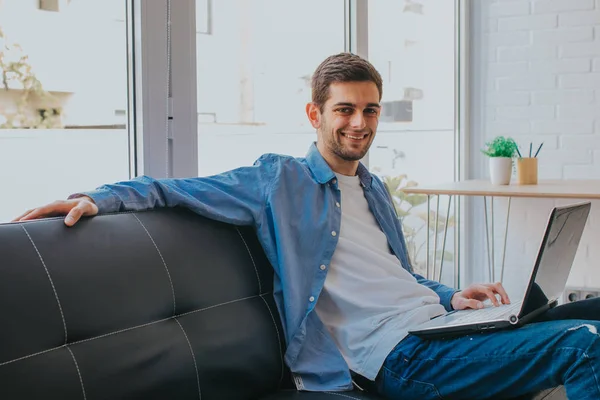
pixel 314 115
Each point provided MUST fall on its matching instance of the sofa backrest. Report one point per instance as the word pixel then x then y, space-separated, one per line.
pixel 157 304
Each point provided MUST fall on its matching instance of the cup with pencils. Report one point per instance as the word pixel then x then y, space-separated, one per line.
pixel 527 167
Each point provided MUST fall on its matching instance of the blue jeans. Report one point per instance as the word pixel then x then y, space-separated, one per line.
pixel 557 350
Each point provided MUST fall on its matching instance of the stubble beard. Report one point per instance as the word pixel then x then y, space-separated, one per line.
pixel 347 154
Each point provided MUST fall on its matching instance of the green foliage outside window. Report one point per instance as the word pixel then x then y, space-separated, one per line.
pixel 17 75
pixel 407 207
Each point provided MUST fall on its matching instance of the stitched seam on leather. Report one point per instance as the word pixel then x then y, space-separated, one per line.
pixel 278 338
pixel 51 282
pixel 128 329
pixel 193 357
pixel 163 261
pixel 252 258
pixel 78 372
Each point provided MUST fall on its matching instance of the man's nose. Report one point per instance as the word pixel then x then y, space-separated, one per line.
pixel 357 121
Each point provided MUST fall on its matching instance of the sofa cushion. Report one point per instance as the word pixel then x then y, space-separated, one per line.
pixel 161 304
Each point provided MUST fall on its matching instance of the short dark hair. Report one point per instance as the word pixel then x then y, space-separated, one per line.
pixel 342 67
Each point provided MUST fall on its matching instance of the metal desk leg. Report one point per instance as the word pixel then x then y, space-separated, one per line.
pixel 435 234
pixel 505 239
pixel 492 241
pixel 487 236
pixel 439 279
pixel 456 283
pixel 427 237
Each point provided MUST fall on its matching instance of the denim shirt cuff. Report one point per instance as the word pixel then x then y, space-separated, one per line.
pixel 446 297
pixel 105 200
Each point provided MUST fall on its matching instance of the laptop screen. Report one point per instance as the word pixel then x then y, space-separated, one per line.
pixel 557 252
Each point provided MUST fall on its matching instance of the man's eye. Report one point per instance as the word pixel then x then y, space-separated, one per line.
pixel 371 111
pixel 345 110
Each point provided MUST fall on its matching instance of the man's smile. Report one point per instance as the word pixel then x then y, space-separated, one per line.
pixel 355 136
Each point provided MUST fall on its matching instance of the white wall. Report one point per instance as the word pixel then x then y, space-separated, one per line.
pixel 536 77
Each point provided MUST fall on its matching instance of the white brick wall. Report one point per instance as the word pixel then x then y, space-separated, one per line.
pixel 509 8
pixel 579 18
pixel 527 23
pixel 540 70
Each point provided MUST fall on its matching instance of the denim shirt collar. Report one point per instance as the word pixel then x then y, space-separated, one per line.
pixel 323 172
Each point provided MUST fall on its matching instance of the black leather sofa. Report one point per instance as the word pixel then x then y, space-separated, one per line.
pixel 160 304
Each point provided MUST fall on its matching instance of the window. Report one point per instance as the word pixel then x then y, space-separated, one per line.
pixel 63 100
pixel 254 73
pixel 254 70
pixel 412 44
pixel 204 16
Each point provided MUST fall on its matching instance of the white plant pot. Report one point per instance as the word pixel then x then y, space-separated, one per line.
pixel 500 170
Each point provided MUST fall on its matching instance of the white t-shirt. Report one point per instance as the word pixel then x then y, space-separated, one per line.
pixel 369 301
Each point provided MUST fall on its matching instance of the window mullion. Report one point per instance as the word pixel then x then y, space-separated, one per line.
pixel 156 154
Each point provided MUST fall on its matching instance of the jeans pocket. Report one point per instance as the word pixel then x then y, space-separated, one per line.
pixel 394 386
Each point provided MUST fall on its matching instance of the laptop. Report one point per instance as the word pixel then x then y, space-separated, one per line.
pixel 546 283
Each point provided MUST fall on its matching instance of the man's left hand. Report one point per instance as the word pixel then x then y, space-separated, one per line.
pixel 476 294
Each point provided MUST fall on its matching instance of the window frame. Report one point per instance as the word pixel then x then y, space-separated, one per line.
pixel 165 93
pixel 151 154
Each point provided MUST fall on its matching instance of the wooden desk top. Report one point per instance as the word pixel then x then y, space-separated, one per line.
pixel 567 189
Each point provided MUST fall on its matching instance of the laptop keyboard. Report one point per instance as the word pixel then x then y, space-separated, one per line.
pixel 488 314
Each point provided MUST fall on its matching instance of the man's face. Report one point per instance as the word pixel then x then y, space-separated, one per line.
pixel 348 123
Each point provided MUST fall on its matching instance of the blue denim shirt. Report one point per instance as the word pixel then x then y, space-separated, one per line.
pixel 294 205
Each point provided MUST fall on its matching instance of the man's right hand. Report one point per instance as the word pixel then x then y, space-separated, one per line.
pixel 74 209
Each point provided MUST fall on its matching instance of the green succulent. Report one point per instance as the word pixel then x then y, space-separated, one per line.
pixel 500 147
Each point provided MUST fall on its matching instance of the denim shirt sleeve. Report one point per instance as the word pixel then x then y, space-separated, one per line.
pixel 236 197
pixel 442 290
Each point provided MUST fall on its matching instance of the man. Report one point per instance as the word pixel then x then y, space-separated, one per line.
pixel 343 282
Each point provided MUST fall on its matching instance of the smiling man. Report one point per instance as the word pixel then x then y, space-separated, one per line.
pixel 344 286
pixel 345 115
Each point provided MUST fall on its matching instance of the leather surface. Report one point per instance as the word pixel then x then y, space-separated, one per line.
pixel 146 305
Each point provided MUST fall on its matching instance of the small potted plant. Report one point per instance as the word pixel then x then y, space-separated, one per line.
pixel 501 151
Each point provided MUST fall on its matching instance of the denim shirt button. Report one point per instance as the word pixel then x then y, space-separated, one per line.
pixel 323 267
pixel 333 233
pixel 337 204
pixel 311 298
pixel 334 181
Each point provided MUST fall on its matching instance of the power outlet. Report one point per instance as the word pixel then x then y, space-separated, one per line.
pixel 588 294
pixel 572 294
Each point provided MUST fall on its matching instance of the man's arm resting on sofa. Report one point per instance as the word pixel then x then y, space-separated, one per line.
pixel 73 208
pixel 236 197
